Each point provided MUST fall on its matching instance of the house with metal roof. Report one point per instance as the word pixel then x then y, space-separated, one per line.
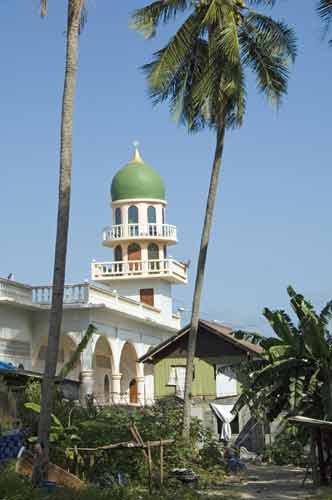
pixel 215 385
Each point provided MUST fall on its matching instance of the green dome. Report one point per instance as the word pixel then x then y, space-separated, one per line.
pixel 137 180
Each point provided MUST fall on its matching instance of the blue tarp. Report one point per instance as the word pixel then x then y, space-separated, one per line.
pixel 11 444
pixel 6 366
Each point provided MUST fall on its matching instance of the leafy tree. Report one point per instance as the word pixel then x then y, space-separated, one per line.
pixel 75 17
pixel 294 373
pixel 201 73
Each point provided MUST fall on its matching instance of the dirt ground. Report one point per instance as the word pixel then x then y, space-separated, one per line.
pixel 267 482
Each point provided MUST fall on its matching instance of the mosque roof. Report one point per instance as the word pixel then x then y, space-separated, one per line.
pixel 137 180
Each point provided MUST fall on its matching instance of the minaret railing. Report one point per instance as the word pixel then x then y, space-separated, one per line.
pixel 128 231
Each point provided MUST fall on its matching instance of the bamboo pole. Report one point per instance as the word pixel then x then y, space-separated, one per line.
pixel 161 463
pixel 150 466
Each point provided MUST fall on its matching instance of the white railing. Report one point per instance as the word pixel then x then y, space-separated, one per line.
pixel 128 231
pixel 157 267
pixel 73 294
pixel 15 291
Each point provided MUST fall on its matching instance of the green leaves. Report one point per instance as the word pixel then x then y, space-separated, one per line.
pixel 201 71
pixel 295 374
pixel 75 357
pixel 37 408
pixel 147 19
pixel 324 10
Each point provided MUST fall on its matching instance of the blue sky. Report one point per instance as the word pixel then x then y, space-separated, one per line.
pixel 273 215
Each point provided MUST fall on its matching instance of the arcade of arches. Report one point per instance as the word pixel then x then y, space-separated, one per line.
pixel 109 370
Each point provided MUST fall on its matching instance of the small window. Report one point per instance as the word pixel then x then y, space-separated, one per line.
pixel 226 383
pixel 153 252
pixel 133 215
pixel 165 252
pixel 177 378
pixel 118 253
pixel 147 296
pixel 152 218
pixel 163 215
pixel 118 216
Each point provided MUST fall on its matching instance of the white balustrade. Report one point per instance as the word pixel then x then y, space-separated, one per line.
pixel 73 294
pixel 15 291
pixel 132 268
pixel 122 231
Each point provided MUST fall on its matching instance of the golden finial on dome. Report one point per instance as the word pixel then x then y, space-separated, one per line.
pixel 137 157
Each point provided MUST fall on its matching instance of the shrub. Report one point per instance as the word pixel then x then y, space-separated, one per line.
pixel 288 448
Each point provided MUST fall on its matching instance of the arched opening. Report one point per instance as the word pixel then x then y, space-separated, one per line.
pixel 128 368
pixel 107 389
pixel 153 256
pixel 118 253
pixel 66 349
pixel 152 218
pixel 133 397
pixel 118 216
pixel 135 256
pixel 102 364
pixel 133 220
pixel 118 257
pixel 132 215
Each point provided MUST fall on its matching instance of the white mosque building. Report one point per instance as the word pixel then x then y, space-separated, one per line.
pixel 128 299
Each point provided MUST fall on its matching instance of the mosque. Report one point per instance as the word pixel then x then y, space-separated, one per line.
pixel 128 299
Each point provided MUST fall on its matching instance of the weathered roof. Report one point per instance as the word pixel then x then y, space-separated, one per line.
pixel 217 329
pixel 311 422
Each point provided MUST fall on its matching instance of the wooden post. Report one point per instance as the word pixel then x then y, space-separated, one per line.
pixel 161 463
pixel 150 466
pixel 321 460
pixel 315 478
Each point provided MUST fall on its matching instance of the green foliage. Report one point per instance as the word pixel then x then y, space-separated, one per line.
pixel 288 448
pixel 76 355
pixel 92 428
pixel 324 9
pixel 294 371
pixel 201 70
pixel 15 487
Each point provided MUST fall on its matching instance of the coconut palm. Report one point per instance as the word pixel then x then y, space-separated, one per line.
pixel 324 9
pixel 201 73
pixel 75 17
pixel 295 371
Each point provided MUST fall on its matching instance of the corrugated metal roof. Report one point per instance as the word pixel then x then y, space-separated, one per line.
pixel 215 328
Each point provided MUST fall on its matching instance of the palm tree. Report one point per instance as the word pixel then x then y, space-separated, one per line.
pixel 201 72
pixel 295 372
pixel 74 22
pixel 324 9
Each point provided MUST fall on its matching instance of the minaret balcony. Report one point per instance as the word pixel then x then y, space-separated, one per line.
pixel 169 269
pixel 155 232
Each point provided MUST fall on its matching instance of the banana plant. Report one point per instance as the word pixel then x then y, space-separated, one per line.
pixel 294 373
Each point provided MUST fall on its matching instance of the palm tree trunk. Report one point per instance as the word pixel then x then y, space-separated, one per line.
pixel 200 277
pixel 48 385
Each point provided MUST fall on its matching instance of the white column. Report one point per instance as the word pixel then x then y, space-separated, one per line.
pixel 87 383
pixel 140 390
pixel 116 387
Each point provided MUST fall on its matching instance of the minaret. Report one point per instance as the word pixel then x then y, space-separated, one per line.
pixel 139 237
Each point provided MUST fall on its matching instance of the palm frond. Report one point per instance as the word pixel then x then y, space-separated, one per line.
pixel 282 325
pixel 253 337
pixel 147 19
pixel 280 37
pixel 324 9
pixel 75 357
pixel 271 68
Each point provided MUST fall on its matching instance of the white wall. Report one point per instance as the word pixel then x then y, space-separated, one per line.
pixel 162 293
pixel 15 335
